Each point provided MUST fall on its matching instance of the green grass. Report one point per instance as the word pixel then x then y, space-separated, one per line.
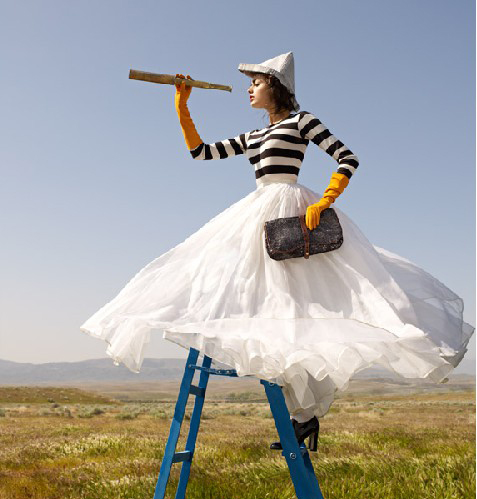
pixel 388 447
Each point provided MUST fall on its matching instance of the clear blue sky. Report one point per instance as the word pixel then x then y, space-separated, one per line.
pixel 96 180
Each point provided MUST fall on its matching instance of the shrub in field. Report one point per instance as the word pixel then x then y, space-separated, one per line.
pixel 2 413
pixel 208 415
pixel 127 415
pixel 159 414
pixel 244 396
pixel 48 412
pixel 85 415
pixel 89 412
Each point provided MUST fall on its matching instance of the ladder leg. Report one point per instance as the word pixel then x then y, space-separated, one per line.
pixel 179 412
pixel 193 429
pixel 301 470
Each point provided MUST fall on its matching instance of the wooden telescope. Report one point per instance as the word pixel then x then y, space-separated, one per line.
pixel 172 80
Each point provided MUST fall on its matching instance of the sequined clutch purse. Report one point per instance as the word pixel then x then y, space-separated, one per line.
pixel 290 238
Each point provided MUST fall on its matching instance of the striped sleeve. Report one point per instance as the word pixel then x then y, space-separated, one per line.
pixel 221 150
pixel 312 128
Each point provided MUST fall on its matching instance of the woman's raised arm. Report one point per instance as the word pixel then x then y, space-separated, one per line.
pixel 221 150
pixel 196 146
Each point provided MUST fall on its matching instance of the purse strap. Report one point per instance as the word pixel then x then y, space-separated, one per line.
pixel 306 237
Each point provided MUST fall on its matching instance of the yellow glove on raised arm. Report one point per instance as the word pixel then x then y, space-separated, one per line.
pixel 337 185
pixel 191 136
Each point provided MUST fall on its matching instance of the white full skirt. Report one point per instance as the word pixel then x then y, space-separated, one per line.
pixel 307 324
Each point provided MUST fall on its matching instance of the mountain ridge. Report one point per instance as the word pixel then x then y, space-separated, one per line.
pixel 104 370
pixel 88 371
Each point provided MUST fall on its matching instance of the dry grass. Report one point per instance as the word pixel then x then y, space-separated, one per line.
pixel 49 394
pixel 387 447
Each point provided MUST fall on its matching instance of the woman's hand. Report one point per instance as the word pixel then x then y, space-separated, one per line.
pixel 338 183
pixel 182 91
pixel 191 136
pixel 313 212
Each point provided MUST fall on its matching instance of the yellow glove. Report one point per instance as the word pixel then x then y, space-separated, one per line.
pixel 337 185
pixel 191 136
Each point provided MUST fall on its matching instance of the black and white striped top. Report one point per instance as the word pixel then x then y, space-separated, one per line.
pixel 280 148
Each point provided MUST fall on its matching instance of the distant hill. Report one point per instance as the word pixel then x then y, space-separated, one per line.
pixel 104 371
pixel 95 370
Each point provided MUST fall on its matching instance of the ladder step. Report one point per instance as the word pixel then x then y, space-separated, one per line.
pixel 195 390
pixel 185 455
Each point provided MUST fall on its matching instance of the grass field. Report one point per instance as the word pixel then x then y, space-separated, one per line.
pixel 382 446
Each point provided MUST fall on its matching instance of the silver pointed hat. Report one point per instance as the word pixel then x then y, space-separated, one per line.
pixel 282 67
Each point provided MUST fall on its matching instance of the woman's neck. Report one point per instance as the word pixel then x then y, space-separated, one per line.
pixel 274 117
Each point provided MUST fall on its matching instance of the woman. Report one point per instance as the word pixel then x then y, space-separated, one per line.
pixel 308 324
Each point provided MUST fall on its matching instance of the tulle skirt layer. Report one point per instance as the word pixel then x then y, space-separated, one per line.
pixel 307 324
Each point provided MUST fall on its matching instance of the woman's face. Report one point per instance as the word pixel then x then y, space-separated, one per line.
pixel 260 94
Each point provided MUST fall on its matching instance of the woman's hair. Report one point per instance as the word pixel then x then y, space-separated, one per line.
pixel 281 96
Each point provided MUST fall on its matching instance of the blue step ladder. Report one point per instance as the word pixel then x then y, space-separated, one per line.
pixel 297 457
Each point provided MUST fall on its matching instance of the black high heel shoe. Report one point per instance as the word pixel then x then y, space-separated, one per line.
pixel 309 428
